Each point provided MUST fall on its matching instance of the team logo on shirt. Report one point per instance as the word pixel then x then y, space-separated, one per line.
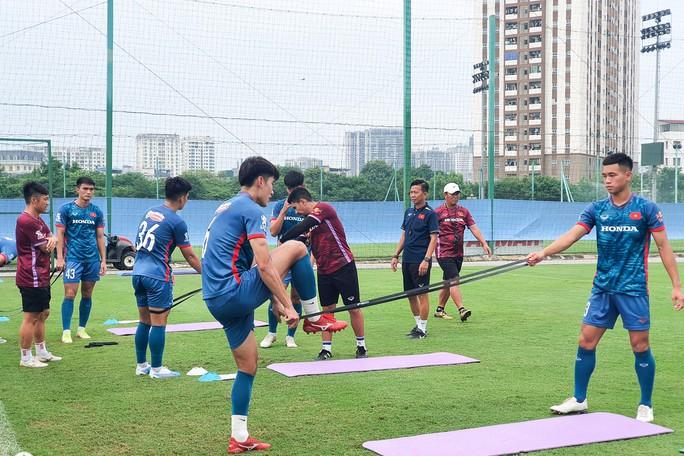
pixel 263 222
pixel 40 235
pixel 659 216
pixel 604 217
pixel 421 216
pixel 93 214
pixel 635 215
pixel 619 228
pixel 156 216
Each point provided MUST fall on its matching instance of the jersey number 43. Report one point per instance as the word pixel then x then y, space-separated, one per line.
pixel 146 237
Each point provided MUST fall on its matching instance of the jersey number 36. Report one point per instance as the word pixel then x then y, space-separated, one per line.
pixel 146 237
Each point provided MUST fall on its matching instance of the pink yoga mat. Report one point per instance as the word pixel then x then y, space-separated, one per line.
pixel 522 437
pixel 181 327
pixel 369 364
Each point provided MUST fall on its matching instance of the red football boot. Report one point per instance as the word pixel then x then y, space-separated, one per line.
pixel 326 323
pixel 251 444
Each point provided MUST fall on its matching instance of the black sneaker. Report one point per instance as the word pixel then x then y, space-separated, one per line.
pixel 323 355
pixel 361 352
pixel 419 334
pixel 465 313
pixel 413 331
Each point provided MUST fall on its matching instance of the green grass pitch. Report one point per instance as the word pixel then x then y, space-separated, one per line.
pixel 523 329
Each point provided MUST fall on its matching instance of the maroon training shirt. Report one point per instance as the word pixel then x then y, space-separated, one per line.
pixel 328 241
pixel 452 225
pixel 33 266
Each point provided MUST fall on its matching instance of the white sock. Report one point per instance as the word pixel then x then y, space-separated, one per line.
pixel 80 328
pixel 417 320
pixel 327 346
pixel 422 325
pixel 272 334
pixel 239 427
pixel 310 306
pixel 41 349
pixel 26 354
pixel 361 342
pixel 143 365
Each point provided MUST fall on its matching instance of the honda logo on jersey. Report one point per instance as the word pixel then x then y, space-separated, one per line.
pixel 620 229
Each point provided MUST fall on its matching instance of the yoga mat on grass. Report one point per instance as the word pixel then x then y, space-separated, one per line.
pixel 369 364
pixel 522 437
pixel 181 327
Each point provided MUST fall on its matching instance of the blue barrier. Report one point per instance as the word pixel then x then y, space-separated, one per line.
pixel 375 222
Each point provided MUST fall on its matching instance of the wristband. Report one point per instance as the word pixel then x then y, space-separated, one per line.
pixel 427 259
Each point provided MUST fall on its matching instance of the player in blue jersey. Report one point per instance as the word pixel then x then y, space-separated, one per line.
pixel 159 233
pixel 8 252
pixel 80 238
pixel 283 218
pixel 233 288
pixel 624 224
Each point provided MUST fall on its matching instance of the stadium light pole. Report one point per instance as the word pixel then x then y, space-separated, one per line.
pixel 407 100
pixel 110 109
pixel 490 120
pixel 676 146
pixel 655 31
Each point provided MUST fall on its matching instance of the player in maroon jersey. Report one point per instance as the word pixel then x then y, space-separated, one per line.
pixel 336 271
pixel 35 243
pixel 453 220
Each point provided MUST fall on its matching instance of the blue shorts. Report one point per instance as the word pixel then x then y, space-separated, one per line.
pixel 235 309
pixel 151 292
pixel 76 271
pixel 603 309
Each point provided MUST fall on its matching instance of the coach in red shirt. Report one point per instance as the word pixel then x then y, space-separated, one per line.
pixel 337 275
pixel 453 220
pixel 35 242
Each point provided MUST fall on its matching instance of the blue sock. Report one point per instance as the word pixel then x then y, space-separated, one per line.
pixel 142 337
pixel 67 313
pixel 584 367
pixel 303 278
pixel 84 311
pixel 242 393
pixel 291 331
pixel 272 320
pixel 645 365
pixel 157 340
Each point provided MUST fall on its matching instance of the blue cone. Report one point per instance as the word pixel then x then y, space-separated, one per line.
pixel 210 377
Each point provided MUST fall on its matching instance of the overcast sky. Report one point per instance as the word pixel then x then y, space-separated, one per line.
pixel 279 78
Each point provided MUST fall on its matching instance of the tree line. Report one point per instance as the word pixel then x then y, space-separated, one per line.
pixel 378 181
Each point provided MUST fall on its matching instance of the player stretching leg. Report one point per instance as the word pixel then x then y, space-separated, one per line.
pixel 232 288
pixel 624 225
pixel 80 233
pixel 159 233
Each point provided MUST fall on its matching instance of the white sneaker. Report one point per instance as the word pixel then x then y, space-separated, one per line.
pixel 290 342
pixel 163 372
pixel 268 340
pixel 570 405
pixel 47 357
pixel 645 413
pixel 33 362
pixel 143 369
pixel 66 336
pixel 82 334
pixel 3 341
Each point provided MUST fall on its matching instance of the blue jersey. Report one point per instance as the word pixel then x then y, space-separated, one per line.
pixel 80 231
pixel 8 248
pixel 623 236
pixel 418 225
pixel 291 217
pixel 227 253
pixel 159 233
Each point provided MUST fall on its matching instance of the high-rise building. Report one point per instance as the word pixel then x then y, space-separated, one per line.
pixel 304 162
pixel 565 83
pixel 672 133
pixel 463 159
pixel 385 144
pixel 88 158
pixel 198 153
pixel 158 154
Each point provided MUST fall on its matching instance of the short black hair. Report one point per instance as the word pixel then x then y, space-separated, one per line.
pixel 84 180
pixel 293 179
pixel 299 193
pixel 254 167
pixel 33 188
pixel 424 186
pixel 622 160
pixel 175 187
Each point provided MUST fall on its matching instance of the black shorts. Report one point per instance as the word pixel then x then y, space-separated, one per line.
pixel 412 280
pixel 451 267
pixel 344 282
pixel 35 300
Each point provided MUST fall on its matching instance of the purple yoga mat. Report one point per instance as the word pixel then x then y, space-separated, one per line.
pixel 513 438
pixel 181 327
pixel 369 364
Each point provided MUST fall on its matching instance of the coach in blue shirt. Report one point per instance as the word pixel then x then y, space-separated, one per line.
pixel 418 240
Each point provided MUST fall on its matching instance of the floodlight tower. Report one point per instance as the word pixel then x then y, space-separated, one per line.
pixel 656 31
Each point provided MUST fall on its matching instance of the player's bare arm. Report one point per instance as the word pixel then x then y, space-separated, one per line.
pixel 562 243
pixel 425 264
pixel 397 252
pixel 277 224
pixel 101 248
pixel 480 238
pixel 192 258
pixel 670 263
pixel 59 265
